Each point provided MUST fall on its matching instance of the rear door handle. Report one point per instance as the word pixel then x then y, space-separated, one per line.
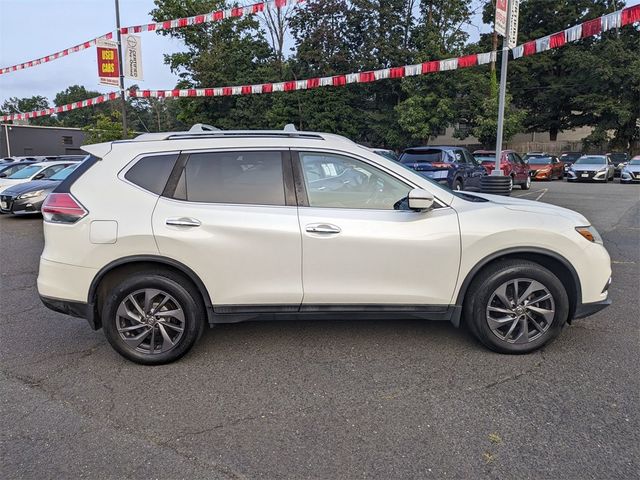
pixel 323 228
pixel 183 222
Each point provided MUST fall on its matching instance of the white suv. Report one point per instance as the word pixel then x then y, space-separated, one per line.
pixel 155 237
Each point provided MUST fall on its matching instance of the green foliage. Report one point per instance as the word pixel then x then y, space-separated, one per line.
pixel 107 127
pixel 83 116
pixel 28 104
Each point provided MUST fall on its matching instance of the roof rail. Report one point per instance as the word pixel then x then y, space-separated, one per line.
pixel 244 134
pixel 203 127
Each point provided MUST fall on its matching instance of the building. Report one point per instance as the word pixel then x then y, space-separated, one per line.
pixel 26 140
pixel 570 140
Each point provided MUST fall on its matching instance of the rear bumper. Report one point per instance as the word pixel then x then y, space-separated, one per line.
pixel 75 309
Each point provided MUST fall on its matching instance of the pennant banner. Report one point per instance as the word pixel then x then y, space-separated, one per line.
pixel 211 16
pixel 618 19
pixel 55 56
pixel 64 108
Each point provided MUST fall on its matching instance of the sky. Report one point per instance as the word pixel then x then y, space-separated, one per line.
pixel 30 29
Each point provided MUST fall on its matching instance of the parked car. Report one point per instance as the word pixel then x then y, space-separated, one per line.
pixel 158 236
pixel 619 160
pixel 544 167
pixel 454 167
pixel 591 167
pixel 35 171
pixel 9 168
pixel 567 158
pixel 631 171
pixel 510 163
pixel 27 198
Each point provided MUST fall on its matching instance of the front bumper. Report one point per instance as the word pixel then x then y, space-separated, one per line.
pixel 630 177
pixel 587 175
pixel 21 206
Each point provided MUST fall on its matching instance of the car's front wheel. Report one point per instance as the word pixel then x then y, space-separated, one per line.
pixel 153 317
pixel 516 306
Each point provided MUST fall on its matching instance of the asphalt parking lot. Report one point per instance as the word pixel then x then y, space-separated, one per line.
pixel 324 400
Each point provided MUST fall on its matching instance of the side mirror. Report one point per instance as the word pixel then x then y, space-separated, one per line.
pixel 39 176
pixel 420 200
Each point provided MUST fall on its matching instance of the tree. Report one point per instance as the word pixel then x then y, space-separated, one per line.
pixel 81 117
pixel 546 84
pixel 28 104
pixel 107 128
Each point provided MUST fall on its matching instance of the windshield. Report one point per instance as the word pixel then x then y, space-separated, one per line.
pixel 64 173
pixel 25 172
pixel 591 161
pixel 635 162
pixel 570 157
pixel 539 160
pixel 10 170
pixel 618 157
pixel 485 158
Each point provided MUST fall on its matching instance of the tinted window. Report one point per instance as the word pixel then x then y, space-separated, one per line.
pixel 335 181
pixel 517 158
pixel 540 160
pixel 233 177
pixel 152 173
pixel 429 155
pixel 591 160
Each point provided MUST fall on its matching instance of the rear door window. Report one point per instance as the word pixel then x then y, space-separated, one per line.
pixel 152 172
pixel 254 178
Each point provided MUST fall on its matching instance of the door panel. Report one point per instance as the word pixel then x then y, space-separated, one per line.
pixel 380 257
pixel 245 255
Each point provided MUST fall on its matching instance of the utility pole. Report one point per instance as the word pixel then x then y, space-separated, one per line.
pixel 122 92
pixel 503 91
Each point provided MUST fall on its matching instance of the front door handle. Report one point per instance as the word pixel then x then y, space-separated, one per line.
pixel 323 228
pixel 183 222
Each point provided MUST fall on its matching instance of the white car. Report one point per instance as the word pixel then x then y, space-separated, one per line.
pixel 154 238
pixel 35 171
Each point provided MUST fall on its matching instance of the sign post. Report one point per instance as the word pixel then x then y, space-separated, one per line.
pixel 121 74
pixel 511 7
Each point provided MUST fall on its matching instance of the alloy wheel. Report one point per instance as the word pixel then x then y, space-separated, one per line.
pixel 150 321
pixel 520 310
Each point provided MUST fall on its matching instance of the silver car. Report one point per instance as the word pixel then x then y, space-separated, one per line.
pixel 631 171
pixel 591 168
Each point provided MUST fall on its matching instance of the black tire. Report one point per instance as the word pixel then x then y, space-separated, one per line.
pixel 484 286
pixel 182 293
pixel 527 184
pixel 458 185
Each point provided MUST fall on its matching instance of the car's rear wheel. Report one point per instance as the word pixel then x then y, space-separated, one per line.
pixel 516 306
pixel 153 318
pixel 527 184
pixel 457 185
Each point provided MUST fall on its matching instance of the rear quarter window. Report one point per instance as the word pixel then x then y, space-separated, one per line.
pixel 152 172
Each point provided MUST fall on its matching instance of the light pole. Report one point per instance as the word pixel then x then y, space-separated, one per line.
pixel 121 71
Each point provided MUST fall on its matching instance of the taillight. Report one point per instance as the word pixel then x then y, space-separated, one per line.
pixel 62 208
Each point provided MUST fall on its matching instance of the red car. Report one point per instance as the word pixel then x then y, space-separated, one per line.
pixel 544 166
pixel 510 163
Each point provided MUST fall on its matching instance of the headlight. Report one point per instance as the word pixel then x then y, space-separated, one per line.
pixel 35 193
pixel 590 233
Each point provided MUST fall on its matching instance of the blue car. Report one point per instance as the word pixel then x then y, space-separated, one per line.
pixel 451 166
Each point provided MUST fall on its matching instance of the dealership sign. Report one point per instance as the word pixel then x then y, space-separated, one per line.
pixel 108 69
pixel 502 19
pixel 132 56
